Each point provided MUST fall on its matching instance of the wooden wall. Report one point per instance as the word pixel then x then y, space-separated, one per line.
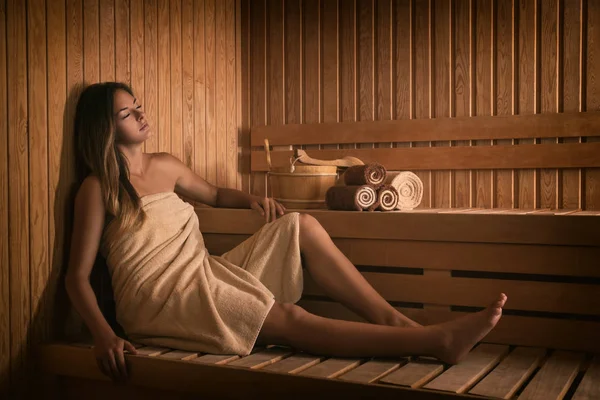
pixel 181 58
pixel 313 61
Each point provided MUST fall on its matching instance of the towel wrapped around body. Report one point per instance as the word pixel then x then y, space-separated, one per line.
pixel 169 291
pixel 351 198
pixel 387 197
pixel 373 174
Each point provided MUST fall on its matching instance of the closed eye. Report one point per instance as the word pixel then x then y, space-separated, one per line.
pixel 140 106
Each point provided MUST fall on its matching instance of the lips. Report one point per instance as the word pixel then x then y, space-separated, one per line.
pixel 144 127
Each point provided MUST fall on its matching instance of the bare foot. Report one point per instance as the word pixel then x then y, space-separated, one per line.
pixel 461 334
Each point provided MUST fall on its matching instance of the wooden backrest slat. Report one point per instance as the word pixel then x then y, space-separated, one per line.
pixel 548 125
pixel 564 155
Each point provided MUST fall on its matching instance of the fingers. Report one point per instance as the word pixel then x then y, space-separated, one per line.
pixel 273 208
pixel 113 366
pixel 267 207
pixel 130 348
pixel 121 365
pixel 280 208
pixel 257 207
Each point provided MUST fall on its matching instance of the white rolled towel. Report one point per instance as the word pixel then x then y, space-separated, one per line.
pixel 409 187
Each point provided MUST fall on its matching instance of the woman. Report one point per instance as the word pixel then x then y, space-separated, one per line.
pixel 169 291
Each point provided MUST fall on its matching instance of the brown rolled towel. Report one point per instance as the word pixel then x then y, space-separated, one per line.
pixel 351 198
pixel 388 198
pixel 369 174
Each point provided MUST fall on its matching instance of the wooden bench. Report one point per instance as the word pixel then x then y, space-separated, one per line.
pixel 431 264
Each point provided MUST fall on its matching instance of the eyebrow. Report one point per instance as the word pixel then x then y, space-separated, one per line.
pixel 125 108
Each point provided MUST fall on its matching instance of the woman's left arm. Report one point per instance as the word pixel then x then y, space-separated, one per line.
pixel 193 186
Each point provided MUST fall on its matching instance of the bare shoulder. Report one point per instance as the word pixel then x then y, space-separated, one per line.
pixel 167 162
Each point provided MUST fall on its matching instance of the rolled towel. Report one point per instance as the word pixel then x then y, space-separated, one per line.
pixel 351 198
pixel 373 174
pixel 409 187
pixel 388 198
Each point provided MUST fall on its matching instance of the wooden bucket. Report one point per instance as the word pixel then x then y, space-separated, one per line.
pixel 300 185
pixel 304 188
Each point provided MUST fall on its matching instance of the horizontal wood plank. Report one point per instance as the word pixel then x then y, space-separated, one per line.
pixel 215 381
pixel 508 377
pixel 589 387
pixel 262 358
pixel 331 368
pixel 414 374
pixel 523 156
pixel 546 125
pixel 488 257
pixel 554 378
pixel 511 329
pixel 372 370
pixel 460 377
pixel 479 292
pixel 564 230
pixel 295 363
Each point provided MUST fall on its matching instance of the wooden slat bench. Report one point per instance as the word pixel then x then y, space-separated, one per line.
pixel 432 264
pixel 545 346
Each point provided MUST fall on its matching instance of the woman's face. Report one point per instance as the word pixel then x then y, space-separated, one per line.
pixel 130 119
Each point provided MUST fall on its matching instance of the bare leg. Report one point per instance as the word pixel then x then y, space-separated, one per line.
pixel 340 279
pixel 290 325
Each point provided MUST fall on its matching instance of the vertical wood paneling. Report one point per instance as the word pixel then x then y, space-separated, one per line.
pixel 4 242
pixel 57 163
pixel 482 184
pixel 383 48
pixel 592 102
pixel 257 38
pixel 107 40
pixel 381 59
pixel 243 92
pixel 441 89
pixel 199 90
pixel 122 42
pixel 91 41
pixel 293 65
pixel 175 82
pixel 136 21
pixel 422 82
pixel 570 83
pixel 230 95
pixel 210 99
pixel 330 62
pixel 526 40
pixel 38 166
pixel 187 80
pixel 461 91
pixel 151 58
pixel 548 92
pixel 311 62
pixel 48 50
pixel 163 116
pixel 18 195
pixel 347 66
pixel 403 55
pixel 365 55
pixel 220 99
pixel 503 89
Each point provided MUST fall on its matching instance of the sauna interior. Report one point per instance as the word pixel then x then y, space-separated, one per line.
pixel 493 104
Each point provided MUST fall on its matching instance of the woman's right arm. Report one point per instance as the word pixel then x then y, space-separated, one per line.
pixel 88 225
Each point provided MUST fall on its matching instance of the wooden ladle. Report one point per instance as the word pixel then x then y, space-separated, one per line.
pixel 347 161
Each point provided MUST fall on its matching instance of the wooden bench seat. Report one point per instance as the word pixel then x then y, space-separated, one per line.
pixel 489 370
pixel 433 265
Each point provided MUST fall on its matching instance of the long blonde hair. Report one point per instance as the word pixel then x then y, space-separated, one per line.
pixel 95 134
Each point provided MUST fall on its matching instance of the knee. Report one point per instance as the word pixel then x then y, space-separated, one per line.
pixel 309 226
pixel 280 323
